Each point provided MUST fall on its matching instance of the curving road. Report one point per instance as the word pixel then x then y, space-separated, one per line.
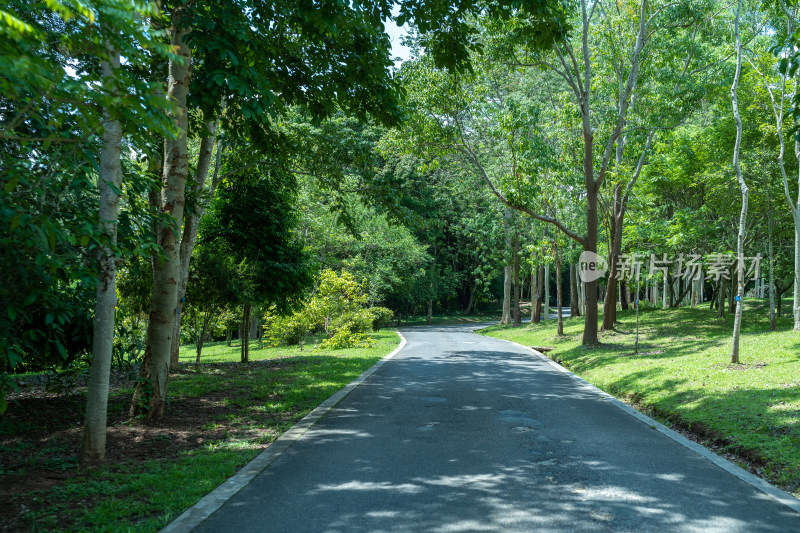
pixel 460 432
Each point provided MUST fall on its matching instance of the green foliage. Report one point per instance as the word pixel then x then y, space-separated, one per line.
pixel 321 59
pixel 251 221
pixel 65 381
pixel 380 317
pixel 346 338
pixel 339 304
pixel 337 307
pixel 52 102
pixel 450 38
pixel 287 330
pixel 459 223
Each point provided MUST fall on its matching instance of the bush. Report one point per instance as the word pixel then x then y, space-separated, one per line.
pixel 337 308
pixel 380 317
pixel 358 321
pixel 286 330
pixel 345 338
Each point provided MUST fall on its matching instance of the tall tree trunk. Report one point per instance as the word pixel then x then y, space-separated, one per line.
pixel 533 290
pixel 559 302
pixel 517 296
pixel 546 299
pixel 772 321
pixel 721 301
pixel 472 288
pixel 430 312
pixel 590 317
pixel 714 301
pixel 202 337
pixel 625 300
pixel 737 322
pixel 150 394
pixel 109 184
pixel 794 207
pixel 537 312
pixel 506 318
pixel 573 292
pixel 796 300
pixel 245 349
pixel 190 226
pixel 610 304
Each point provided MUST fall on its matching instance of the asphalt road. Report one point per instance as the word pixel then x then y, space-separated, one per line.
pixel 461 432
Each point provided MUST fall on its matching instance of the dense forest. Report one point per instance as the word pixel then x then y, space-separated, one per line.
pixel 177 173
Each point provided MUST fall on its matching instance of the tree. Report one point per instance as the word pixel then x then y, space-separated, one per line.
pixel 255 219
pixel 216 283
pixel 256 71
pixel 787 64
pixel 65 87
pixel 109 184
pixel 530 147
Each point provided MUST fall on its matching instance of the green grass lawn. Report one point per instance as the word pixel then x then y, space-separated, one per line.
pixel 220 416
pixel 682 375
pixel 442 319
pixel 220 352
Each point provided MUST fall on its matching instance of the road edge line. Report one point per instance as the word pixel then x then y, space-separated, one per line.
pixel 751 479
pixel 208 504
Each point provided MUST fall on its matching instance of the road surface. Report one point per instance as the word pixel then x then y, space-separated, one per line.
pixel 460 432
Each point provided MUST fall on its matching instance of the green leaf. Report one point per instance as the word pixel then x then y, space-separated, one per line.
pixel 12 183
pixel 13 358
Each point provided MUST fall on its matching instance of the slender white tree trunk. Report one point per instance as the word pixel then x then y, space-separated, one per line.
pixel 109 183
pixel 506 319
pixel 516 313
pixel 796 217
pixel 150 395
pixel 772 323
pixel 737 323
pixel 546 307
pixel 559 295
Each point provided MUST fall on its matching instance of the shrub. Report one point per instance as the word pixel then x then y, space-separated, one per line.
pixel 345 338
pixel 338 307
pixel 380 317
pixel 286 330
